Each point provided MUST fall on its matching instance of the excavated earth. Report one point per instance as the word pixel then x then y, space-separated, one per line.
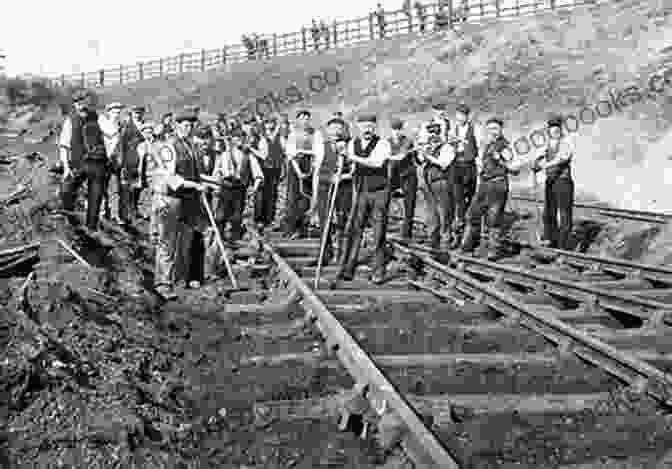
pixel 96 372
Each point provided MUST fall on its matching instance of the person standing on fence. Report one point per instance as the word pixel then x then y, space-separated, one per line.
pixel 315 32
pixel 464 134
pixel 556 160
pixel 380 16
pixel 403 174
pixel 84 158
pixel 421 14
pixel 304 147
pixel 110 124
pixel 272 158
pixel 496 163
pixel 406 8
pixel 128 162
pixel 370 155
pixel 325 33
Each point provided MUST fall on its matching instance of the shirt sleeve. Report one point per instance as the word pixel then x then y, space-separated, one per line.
pixel 380 153
pixel 66 133
pixel 290 146
pixel 565 152
pixel 257 173
pixel 263 149
pixel 318 146
pixel 446 155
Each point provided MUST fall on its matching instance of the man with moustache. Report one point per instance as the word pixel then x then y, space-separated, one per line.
pixel 370 155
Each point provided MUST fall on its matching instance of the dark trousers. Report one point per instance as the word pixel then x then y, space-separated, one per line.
pixel 229 207
pixel 94 173
pixel 464 177
pixel 439 197
pixel 297 204
pixel 371 206
pixel 407 181
pixel 342 208
pixel 266 199
pixel 106 192
pixel 129 197
pixel 489 202
pixel 558 205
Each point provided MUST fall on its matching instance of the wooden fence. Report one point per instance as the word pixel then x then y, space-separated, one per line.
pixel 445 14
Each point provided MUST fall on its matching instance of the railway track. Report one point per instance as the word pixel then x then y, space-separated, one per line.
pixel 459 359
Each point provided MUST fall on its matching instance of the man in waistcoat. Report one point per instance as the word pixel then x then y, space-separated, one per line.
pixel 236 168
pixel 435 156
pixel 129 160
pixel 370 155
pixel 330 166
pixel 271 157
pixel 463 135
pixel 556 160
pixel 304 147
pixel 84 158
pixel 176 205
pixel 403 174
pixel 111 125
pixel 495 163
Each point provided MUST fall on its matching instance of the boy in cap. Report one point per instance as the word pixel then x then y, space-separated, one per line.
pixel 403 173
pixel 556 159
pixel 495 163
pixel 176 206
pixel 369 153
pixel 84 158
pixel 128 164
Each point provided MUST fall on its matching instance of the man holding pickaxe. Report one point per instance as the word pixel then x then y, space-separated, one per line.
pixel 333 180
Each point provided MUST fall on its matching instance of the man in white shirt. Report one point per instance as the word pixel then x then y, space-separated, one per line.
pixel 556 160
pixel 370 155
pixel 110 124
pixel 304 147
pixel 435 157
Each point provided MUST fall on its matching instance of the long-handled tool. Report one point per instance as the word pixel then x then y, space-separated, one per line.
pixel 327 228
pixel 220 242
pixel 537 231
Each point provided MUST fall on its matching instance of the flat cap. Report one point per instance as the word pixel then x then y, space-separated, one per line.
pixel 367 118
pixel 463 108
pixel 336 120
pixel 147 125
pixel 221 116
pixel 303 112
pixel 396 123
pixel 438 105
pixel 114 105
pixel 138 108
pixel 80 95
pixel 185 117
pixel 495 120
pixel 204 132
pixel 167 114
pixel 554 121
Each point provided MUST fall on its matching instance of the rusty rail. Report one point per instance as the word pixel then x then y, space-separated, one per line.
pixel 637 215
pixel 638 374
pixel 419 443
pixel 652 312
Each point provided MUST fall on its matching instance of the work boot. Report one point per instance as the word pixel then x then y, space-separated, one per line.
pixel 194 284
pixel 470 239
pixel 166 292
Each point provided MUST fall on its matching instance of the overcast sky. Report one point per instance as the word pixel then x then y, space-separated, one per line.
pixel 69 36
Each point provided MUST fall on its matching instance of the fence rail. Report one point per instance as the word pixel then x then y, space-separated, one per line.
pixel 432 17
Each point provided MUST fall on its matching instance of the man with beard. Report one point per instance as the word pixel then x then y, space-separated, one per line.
pixel 495 164
pixel 370 154
pixel 271 156
pixel 176 204
pixel 128 164
pixel 327 168
pixel 304 146
pixel 83 157
pixel 403 174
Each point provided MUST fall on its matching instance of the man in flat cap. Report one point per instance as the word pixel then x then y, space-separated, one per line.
pixel 464 136
pixel 111 125
pixel 304 146
pixel 403 173
pixel 176 205
pixel 556 159
pixel 84 158
pixel 167 125
pixel 441 117
pixel 128 162
pixel 369 153
pixel 495 163
pixel 332 165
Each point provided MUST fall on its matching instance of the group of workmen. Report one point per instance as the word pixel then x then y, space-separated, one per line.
pixel 200 176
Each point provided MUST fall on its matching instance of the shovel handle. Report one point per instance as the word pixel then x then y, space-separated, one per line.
pixel 220 243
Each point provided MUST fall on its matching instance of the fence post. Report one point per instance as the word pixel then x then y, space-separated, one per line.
pixel 63 80
pixel 303 38
pixel 101 77
pixel 451 10
pixel 275 44
pixel 141 72
pixel 335 34
pixel 552 4
pixel 371 28
pixel 83 80
pixel 202 60
pixel 498 8
pixel 121 74
pixel 181 66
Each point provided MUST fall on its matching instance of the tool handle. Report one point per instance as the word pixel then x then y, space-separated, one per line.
pixel 220 242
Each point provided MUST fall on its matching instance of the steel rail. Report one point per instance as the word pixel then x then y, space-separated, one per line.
pixel 652 312
pixel 643 215
pixel 609 265
pixel 419 443
pixel 638 374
